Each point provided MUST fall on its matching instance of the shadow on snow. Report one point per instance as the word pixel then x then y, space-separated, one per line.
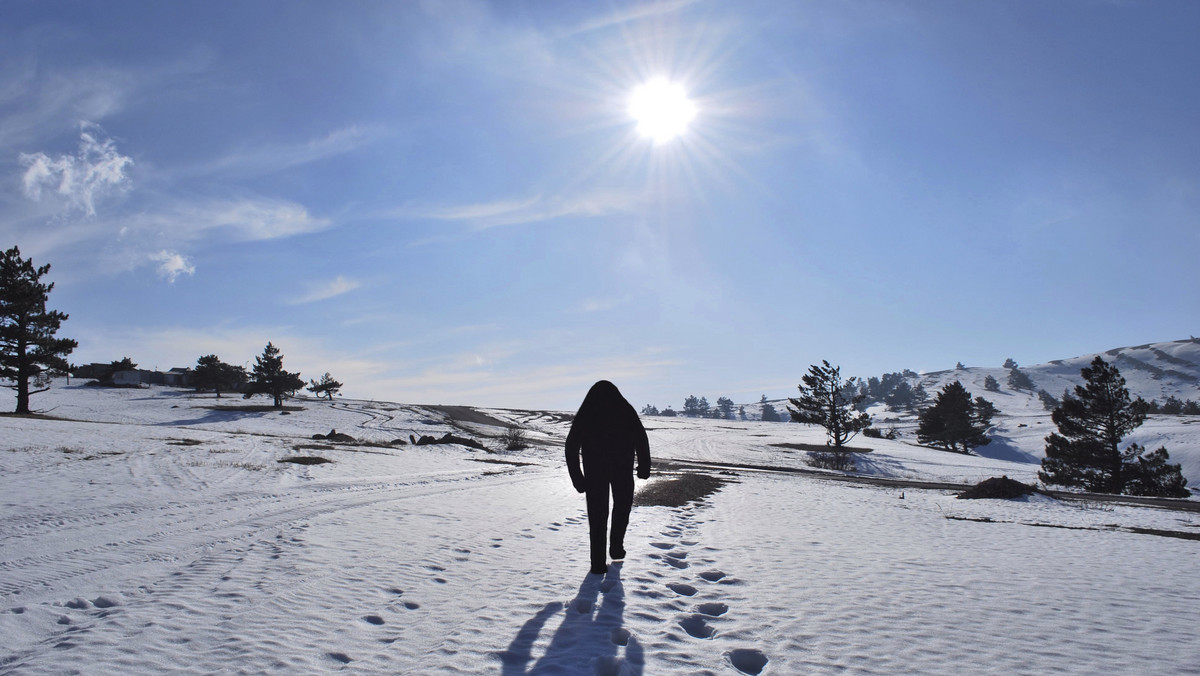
pixel 590 638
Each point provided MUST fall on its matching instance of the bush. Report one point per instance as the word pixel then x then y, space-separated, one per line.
pixel 514 439
pixel 840 461
pixel 873 432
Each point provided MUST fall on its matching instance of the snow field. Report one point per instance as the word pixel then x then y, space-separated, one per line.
pixel 142 538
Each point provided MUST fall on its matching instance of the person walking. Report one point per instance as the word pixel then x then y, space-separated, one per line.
pixel 608 434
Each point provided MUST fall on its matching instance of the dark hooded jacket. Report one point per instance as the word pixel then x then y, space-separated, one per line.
pixel 608 433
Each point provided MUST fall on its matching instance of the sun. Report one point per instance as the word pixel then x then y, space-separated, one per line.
pixel 661 109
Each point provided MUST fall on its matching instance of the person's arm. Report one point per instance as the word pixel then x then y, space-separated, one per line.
pixel 642 445
pixel 573 461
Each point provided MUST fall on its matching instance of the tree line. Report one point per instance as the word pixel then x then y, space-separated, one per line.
pixel 31 353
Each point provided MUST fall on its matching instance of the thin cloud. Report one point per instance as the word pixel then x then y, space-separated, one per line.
pixel 637 13
pixel 326 290
pixel 172 265
pixel 95 170
pixel 271 158
pixel 247 219
pixel 537 209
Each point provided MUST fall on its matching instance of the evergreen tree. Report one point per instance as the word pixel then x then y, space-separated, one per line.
pixel 1173 406
pixel 919 395
pixel 1085 451
pixel 1155 476
pixel 213 374
pixel 769 414
pixel 268 377
pixel 959 366
pixel 29 350
pixel 1048 401
pixel 822 401
pixel 741 412
pixel 725 407
pixel 1190 408
pixel 955 422
pixel 1010 363
pixel 691 407
pixel 650 409
pixel 991 384
pixel 326 386
pixel 901 396
pixel 1018 380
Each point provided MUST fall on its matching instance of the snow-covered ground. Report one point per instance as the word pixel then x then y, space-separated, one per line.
pixel 142 531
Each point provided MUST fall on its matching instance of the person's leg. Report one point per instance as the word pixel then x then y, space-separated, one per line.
pixel 597 506
pixel 622 492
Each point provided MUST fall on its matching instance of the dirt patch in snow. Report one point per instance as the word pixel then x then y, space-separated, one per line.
pixel 678 491
pixel 997 488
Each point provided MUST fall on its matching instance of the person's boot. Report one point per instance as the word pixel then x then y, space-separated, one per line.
pixel 599 568
pixel 617 551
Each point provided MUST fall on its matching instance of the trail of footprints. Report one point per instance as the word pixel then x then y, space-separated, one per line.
pixel 695 620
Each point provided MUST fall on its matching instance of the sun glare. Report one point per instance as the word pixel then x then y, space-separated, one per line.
pixel 661 109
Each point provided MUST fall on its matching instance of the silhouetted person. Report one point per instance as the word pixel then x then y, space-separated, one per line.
pixel 610 434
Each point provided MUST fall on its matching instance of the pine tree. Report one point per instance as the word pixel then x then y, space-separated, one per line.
pixel 1173 406
pixel 268 377
pixel 326 386
pixel 991 384
pixel 1049 402
pixel 1085 451
pixel 29 350
pixel 769 414
pixel 823 402
pixel 213 374
pixel 725 407
pixel 649 409
pixel 1018 380
pixel 1010 363
pixel 955 422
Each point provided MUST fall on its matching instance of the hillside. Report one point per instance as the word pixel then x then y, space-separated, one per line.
pixel 1153 371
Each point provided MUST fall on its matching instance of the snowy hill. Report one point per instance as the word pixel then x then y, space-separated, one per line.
pixel 1153 371
pixel 155 530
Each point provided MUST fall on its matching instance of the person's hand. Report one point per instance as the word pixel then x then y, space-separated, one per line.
pixel 643 473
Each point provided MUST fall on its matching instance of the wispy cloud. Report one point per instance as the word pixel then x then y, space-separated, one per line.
pixel 326 290
pixel 172 265
pixel 95 170
pixel 248 219
pixel 277 157
pixel 637 13
pixel 536 209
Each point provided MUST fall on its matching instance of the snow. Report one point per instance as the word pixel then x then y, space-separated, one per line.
pixel 143 531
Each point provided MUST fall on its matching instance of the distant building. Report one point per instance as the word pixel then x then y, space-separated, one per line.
pixel 176 377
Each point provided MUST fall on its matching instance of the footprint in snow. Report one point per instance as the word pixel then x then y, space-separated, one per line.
pixel 682 589
pixel 748 660
pixel 712 575
pixel 713 609
pixel 676 563
pixel 697 627
pixel 411 606
pixel 340 657
pixel 662 545
pixel 621 636
pixel 373 619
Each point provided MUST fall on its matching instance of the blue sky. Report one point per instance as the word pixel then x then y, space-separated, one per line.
pixel 448 202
